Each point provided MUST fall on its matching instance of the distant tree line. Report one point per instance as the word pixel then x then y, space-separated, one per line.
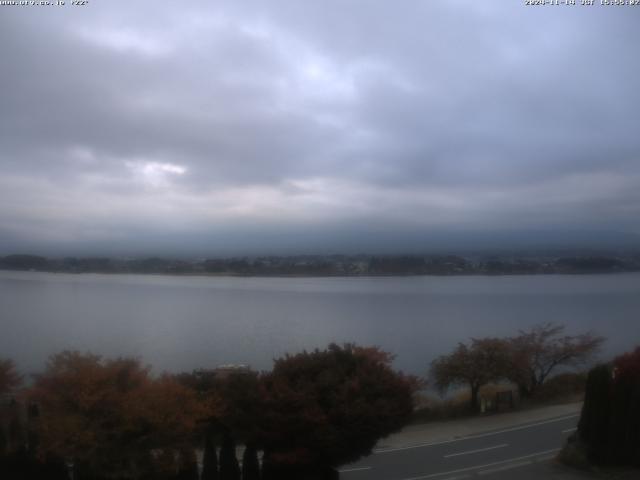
pixel 332 265
pixel 112 419
pixel 527 360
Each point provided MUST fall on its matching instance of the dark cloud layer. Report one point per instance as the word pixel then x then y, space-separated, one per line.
pixel 198 124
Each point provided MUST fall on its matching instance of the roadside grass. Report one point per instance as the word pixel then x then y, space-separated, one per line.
pixel 561 389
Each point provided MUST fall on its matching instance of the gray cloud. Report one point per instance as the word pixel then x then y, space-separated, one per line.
pixel 120 121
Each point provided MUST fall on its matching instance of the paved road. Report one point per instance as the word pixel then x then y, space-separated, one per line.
pixel 494 455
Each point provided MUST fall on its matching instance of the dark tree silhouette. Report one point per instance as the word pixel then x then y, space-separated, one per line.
pixel 594 421
pixel 484 360
pixel 537 352
pixel 329 407
pixel 229 468
pixel 210 458
pixel 250 463
pixel 240 405
pixel 610 422
pixel 625 407
pixel 187 465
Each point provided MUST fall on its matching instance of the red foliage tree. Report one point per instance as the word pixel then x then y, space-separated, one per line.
pixel 329 407
pixel 628 366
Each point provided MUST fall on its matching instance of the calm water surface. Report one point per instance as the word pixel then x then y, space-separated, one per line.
pixel 180 323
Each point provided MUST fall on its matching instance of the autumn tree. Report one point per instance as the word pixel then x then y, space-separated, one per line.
pixel 537 352
pixel 235 400
pixel 240 405
pixel 9 376
pixel 107 415
pixel 483 361
pixel 9 418
pixel 235 403
pixel 329 407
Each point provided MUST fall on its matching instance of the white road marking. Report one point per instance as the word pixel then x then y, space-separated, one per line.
pixel 570 430
pixel 471 437
pixel 354 469
pixel 504 468
pixel 480 467
pixel 476 451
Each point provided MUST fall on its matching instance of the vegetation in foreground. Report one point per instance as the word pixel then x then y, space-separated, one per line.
pixel 112 419
pixel 608 433
pixel 314 411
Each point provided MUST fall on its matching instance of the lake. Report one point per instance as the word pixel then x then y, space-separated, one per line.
pixel 180 323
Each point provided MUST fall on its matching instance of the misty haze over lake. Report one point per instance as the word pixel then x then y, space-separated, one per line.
pixel 182 323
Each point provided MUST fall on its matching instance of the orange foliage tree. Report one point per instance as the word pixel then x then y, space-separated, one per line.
pixel 108 416
pixel 9 377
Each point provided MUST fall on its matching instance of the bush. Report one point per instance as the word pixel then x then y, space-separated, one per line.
pixel 329 407
pixel 610 422
pixel 574 453
pixel 430 408
pixel 564 386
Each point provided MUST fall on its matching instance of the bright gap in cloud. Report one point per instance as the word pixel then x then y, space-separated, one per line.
pixel 155 173
pixel 126 40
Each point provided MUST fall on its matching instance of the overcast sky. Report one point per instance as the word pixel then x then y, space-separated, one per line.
pixel 215 126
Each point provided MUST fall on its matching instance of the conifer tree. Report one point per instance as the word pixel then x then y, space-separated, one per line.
pixel 210 459
pixel 229 468
pixel 250 464
pixel 188 465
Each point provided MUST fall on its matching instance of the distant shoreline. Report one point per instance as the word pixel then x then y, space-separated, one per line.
pixel 302 266
pixel 292 276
